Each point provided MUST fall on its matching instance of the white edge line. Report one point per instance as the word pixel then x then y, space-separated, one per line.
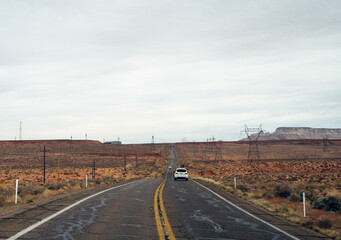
pixel 30 228
pixel 250 214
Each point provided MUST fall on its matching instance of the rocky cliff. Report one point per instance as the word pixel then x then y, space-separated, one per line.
pixel 286 133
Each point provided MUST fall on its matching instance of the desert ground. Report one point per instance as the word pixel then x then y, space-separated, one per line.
pixel 69 162
pixel 275 179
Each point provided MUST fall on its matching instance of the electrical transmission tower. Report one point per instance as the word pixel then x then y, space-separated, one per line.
pixel 325 144
pixel 218 155
pixel 194 148
pixel 212 146
pixel 253 135
pixel 152 147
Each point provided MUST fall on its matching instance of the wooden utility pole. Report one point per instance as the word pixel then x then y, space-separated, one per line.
pixel 44 164
pixel 58 169
pixel 94 170
pixel 125 163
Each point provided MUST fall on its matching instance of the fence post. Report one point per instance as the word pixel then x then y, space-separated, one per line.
pixel 303 196
pixel 16 191
pixel 235 183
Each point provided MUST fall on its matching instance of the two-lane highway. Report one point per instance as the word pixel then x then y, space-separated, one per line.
pixel 153 209
pixel 196 213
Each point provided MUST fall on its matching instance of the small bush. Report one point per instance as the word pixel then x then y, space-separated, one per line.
pixel 25 190
pixel 266 204
pixel 243 188
pixel 324 223
pixel 37 191
pixel 256 196
pixel 308 224
pixel 54 186
pixel 2 201
pixel 328 203
pixel 282 209
pixel 282 190
pixel 72 183
pixel 268 194
pixel 294 196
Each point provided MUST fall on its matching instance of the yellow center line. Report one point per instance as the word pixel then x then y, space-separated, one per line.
pixel 157 216
pixel 164 215
pixel 168 229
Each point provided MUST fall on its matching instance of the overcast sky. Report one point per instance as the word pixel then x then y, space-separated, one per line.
pixel 173 69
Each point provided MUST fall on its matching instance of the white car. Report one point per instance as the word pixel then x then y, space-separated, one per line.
pixel 181 173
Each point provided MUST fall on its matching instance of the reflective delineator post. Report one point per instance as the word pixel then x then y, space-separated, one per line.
pixel 16 191
pixel 86 181
pixel 303 196
pixel 235 183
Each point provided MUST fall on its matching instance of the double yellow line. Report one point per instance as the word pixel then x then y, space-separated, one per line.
pixel 163 227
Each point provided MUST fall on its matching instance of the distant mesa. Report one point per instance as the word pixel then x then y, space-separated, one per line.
pixel 295 133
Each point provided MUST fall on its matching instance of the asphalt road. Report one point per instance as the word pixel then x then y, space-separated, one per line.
pixel 122 213
pixel 127 212
pixel 196 213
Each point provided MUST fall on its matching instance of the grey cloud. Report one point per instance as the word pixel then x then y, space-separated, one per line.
pixel 130 65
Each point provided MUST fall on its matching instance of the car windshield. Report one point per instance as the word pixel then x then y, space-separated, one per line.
pixel 181 170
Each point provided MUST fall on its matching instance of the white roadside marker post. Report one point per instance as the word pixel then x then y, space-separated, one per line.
pixel 235 183
pixel 303 196
pixel 86 181
pixel 16 191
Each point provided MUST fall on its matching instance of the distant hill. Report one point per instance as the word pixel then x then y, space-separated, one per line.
pixel 294 133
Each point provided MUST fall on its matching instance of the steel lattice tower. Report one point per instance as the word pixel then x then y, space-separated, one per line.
pixel 253 135
pixel 325 144
pixel 212 146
